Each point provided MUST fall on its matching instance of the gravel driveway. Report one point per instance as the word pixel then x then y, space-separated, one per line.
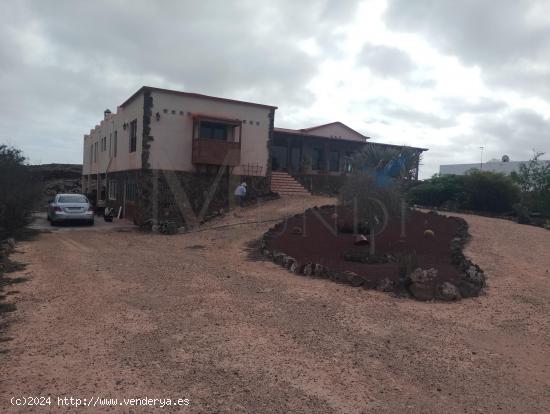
pixel 123 314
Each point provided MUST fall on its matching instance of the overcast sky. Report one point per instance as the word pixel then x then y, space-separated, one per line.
pixel 448 75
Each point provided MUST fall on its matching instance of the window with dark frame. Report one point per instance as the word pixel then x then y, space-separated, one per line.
pixel 133 135
pixel 334 161
pixel 115 144
pixel 131 191
pixel 112 189
pixel 213 130
pixel 316 159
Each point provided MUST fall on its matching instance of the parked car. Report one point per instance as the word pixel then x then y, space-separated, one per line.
pixel 70 207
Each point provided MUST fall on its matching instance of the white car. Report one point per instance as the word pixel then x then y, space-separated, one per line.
pixel 70 207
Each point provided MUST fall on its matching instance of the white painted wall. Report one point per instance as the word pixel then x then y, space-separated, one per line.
pixel 337 132
pixel 124 160
pixel 500 167
pixel 172 145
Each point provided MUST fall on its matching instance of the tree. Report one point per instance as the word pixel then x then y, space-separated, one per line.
pixel 19 191
pixel 490 191
pixel 477 190
pixel 533 179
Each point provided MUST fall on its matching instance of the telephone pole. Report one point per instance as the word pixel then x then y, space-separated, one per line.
pixel 481 160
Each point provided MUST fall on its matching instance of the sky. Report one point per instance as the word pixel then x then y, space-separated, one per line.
pixel 451 76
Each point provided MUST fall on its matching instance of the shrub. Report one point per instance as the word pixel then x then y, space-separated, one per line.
pixel 477 190
pixel 489 191
pixel 438 191
pixel 19 191
pixel 372 202
pixel 407 263
pixel 533 179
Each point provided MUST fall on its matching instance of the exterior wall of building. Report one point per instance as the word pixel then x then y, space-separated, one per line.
pixel 173 133
pixel 297 154
pixel 104 160
pixel 500 167
pixel 336 131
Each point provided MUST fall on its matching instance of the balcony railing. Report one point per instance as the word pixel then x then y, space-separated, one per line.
pixel 216 152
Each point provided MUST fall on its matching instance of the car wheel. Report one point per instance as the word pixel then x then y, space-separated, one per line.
pixel 52 223
pixel 91 222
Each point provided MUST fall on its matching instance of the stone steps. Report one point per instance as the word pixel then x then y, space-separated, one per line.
pixel 285 185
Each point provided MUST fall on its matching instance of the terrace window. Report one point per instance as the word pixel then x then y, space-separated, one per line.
pixel 213 130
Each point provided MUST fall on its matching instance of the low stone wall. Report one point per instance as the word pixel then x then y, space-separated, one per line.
pixel 421 284
pixel 321 184
pixel 178 191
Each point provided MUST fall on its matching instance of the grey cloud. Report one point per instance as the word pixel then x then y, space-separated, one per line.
pixel 480 31
pixel 386 61
pixel 391 62
pixel 394 112
pixel 457 106
pixel 93 55
pixel 516 133
pixel 501 37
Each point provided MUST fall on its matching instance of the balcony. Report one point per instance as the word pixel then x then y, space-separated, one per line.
pixel 216 152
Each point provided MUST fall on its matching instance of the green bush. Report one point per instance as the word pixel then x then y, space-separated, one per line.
pixel 438 190
pixel 489 191
pixel 19 191
pixel 533 179
pixel 477 190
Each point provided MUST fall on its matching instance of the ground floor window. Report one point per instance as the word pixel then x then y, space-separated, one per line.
pixel 316 159
pixel 112 189
pixel 334 161
pixel 131 191
pixel 348 162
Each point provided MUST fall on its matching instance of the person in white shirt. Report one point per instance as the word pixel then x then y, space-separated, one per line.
pixel 240 193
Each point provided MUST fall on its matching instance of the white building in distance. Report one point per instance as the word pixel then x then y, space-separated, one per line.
pixel 505 166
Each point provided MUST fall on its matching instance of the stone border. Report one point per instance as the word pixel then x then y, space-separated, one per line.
pixel 421 284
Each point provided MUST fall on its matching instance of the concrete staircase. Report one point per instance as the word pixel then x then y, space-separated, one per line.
pixel 284 184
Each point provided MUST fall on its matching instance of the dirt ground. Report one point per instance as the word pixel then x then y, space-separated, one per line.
pixel 122 314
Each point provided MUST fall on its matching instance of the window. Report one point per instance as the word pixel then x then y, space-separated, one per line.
pixel 104 144
pixel 110 145
pixel 133 135
pixel 212 130
pixel 91 153
pixel 316 159
pixel 115 144
pixel 347 162
pixel 112 189
pixel 334 161
pixel 72 198
pixel 95 152
pixel 131 191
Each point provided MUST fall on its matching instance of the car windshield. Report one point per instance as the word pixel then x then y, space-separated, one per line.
pixel 76 198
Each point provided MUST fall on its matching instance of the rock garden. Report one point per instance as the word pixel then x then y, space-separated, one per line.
pixel 414 254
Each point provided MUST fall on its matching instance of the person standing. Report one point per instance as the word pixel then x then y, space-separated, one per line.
pixel 240 194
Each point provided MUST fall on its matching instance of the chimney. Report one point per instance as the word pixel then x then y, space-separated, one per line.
pixel 106 113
